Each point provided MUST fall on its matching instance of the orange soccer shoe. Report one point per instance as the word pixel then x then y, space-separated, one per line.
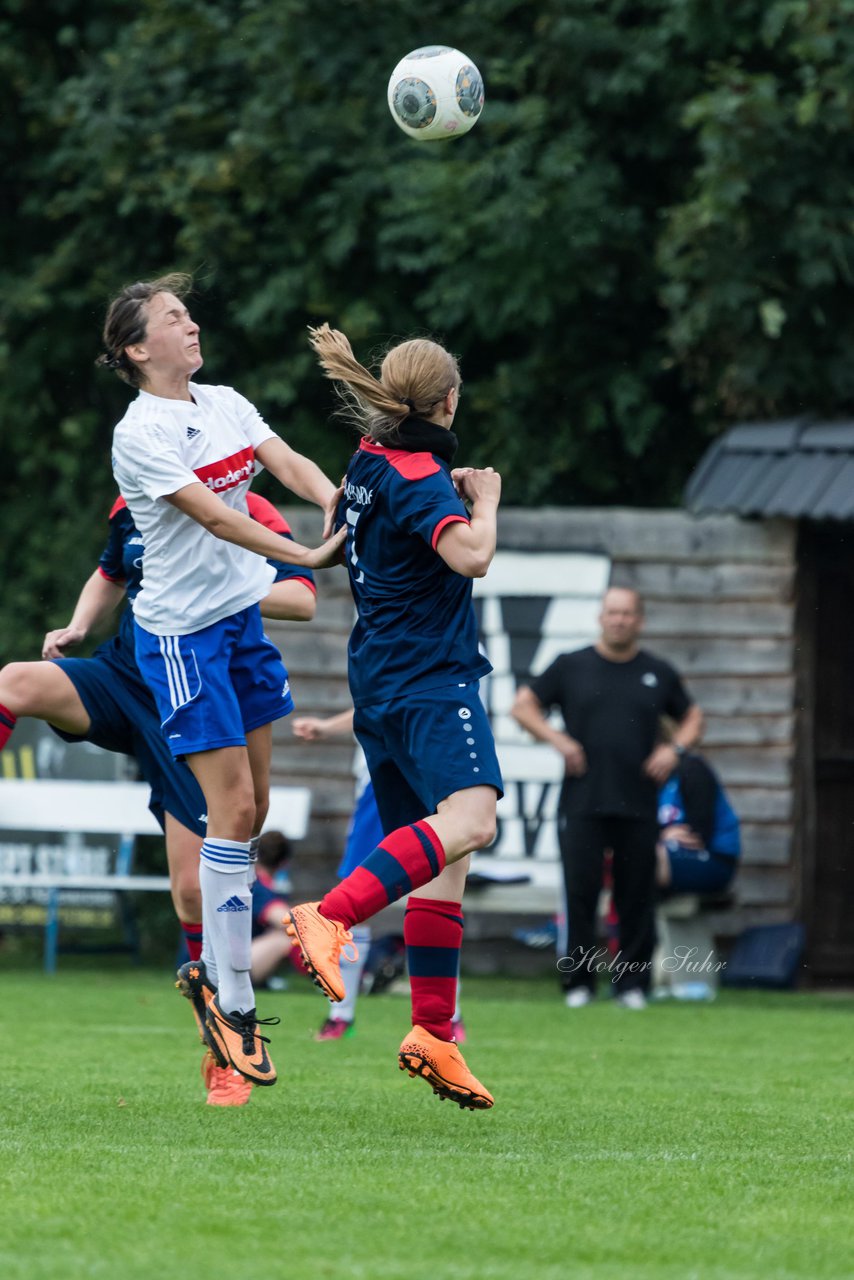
pixel 323 944
pixel 195 985
pixel 226 1087
pixel 237 1039
pixel 443 1067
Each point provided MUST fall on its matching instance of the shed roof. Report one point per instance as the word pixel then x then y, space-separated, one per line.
pixel 797 468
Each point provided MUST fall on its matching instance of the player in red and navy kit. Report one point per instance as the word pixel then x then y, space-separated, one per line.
pixel 104 700
pixel 414 666
pixel 183 457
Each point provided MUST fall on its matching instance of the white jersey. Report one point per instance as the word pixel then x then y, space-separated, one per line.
pixel 190 578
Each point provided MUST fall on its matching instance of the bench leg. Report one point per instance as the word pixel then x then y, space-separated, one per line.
pixel 686 960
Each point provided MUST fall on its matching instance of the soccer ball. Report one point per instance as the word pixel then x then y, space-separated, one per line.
pixel 435 93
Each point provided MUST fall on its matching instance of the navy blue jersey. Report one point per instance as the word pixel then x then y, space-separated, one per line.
pixel 416 627
pixel 121 559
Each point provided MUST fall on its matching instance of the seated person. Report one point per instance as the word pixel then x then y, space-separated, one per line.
pixel 699 840
pixel 270 943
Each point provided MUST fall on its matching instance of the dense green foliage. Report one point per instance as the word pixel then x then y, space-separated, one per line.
pixel 682 1142
pixel 647 236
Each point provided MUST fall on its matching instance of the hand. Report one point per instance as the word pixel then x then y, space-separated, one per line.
pixel 476 485
pixel 332 552
pixel 574 759
pixel 681 833
pixel 309 728
pixel 331 509
pixel 56 643
pixel 458 474
pixel 661 763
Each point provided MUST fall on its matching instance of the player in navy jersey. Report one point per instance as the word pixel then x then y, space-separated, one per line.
pixel 412 550
pixel 183 456
pixel 104 700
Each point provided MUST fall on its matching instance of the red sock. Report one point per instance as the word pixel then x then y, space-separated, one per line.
pixel 193 938
pixel 402 862
pixel 433 933
pixel 7 724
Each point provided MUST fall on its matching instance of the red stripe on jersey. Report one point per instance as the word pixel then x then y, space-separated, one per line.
pixel 442 525
pixel 118 581
pixel 265 513
pixel 228 472
pixel 118 505
pixel 412 466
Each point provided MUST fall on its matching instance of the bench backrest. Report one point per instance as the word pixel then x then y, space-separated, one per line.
pixel 119 808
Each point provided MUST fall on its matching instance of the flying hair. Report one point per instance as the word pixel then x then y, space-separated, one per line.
pixel 414 377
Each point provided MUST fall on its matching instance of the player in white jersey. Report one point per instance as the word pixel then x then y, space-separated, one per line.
pixel 183 458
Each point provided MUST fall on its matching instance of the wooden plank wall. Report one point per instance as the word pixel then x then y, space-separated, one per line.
pixel 719 594
pixel 720 605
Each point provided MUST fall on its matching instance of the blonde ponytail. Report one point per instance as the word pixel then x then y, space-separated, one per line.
pixel 414 377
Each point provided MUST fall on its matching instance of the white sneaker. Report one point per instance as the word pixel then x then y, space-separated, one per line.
pixel 578 997
pixel 634 999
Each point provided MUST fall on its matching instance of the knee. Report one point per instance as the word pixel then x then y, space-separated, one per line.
pixel 188 902
pixel 16 686
pixel 262 805
pixel 232 816
pixel 481 831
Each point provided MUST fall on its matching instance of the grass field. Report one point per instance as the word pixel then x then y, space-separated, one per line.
pixel 682 1142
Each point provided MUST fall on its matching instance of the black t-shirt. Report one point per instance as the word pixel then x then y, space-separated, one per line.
pixel 613 709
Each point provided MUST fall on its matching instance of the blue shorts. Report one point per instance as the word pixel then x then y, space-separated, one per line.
pixel 697 871
pixel 365 831
pixel 214 686
pixel 422 748
pixel 125 719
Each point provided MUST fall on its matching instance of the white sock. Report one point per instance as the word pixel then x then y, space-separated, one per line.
pixel 351 975
pixel 458 1017
pixel 227 920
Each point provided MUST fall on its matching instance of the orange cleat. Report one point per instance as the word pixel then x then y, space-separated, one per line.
pixel 322 943
pixel 225 1086
pixel 442 1065
pixel 238 1040
pixel 195 985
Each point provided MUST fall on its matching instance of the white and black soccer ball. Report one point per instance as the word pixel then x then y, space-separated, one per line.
pixel 435 93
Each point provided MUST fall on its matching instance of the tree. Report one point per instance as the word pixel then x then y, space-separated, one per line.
pixel 620 252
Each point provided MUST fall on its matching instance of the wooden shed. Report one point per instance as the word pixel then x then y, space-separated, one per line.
pixel 798 477
pixel 722 604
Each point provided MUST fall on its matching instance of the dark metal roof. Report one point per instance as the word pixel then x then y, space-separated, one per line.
pixel 798 468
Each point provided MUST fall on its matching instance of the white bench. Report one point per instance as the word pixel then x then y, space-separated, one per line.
pixel 117 809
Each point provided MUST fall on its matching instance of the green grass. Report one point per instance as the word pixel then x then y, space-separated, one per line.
pixel 686 1141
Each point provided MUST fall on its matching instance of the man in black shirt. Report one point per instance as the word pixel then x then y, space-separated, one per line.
pixel 611 696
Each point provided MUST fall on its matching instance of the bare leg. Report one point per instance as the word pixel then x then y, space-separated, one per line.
pixel 44 691
pixel 465 821
pixel 182 854
pixel 268 952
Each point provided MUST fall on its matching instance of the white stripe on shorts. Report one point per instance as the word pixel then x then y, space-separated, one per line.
pixel 176 675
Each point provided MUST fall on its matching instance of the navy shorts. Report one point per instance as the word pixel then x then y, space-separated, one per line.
pixel 214 686
pixel 422 748
pixel 125 719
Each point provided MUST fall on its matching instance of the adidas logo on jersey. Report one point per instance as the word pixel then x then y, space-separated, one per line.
pixel 233 904
pixel 192 432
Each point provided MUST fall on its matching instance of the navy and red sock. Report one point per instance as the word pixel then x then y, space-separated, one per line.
pixel 402 862
pixel 7 724
pixel 193 938
pixel 433 933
